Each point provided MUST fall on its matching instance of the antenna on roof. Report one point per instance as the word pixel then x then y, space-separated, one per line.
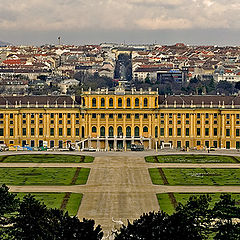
pixel 59 40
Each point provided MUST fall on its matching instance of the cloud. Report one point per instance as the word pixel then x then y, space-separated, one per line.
pixel 77 15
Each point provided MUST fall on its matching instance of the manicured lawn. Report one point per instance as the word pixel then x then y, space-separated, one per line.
pixel 155 176
pixel 166 205
pixel 191 159
pixel 202 176
pixel 46 158
pixel 42 176
pixel 54 200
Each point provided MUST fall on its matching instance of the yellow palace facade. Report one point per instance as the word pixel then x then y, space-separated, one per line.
pixel 114 119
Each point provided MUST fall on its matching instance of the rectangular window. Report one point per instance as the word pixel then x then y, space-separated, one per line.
pixel 60 132
pixel 51 131
pixel 24 143
pixel 215 132
pixel 170 122
pixel 32 121
pixel 83 115
pixel 170 131
pixel 60 121
pixel 187 121
pixel 60 115
pixel 128 116
pixel 179 144
pixel 215 122
pixel 161 131
pixel 77 132
pixel 136 116
pixel 24 121
pixel 179 122
pixel 23 115
pixel 94 115
pixel 24 131
pixel 170 115
pixel 32 131
pixel 11 115
pixel 207 144
pixel 32 115
pixel 228 116
pixel 198 143
pixel 228 132
pixel 162 115
pixel 52 115
pixel 40 131
pixel 215 144
pixel 68 131
pixel 179 115
pixel 198 115
pixel 238 116
pixel 32 143
pixel 145 116
pixel 51 144
pixel 187 115
pixel 187 144
pixel 60 144
pixel 69 115
pixel 11 132
pixel 187 131
pixel 179 131
pixel 77 115
pixel 77 121
pixel 162 121
pixel 215 115
pixel 198 122
pixel 120 116
pixel 206 115
pixel 237 145
pixel 156 115
pixel 68 121
pixel 102 115
pixel 237 132
pixel 198 131
pixel 52 121
pixel 206 131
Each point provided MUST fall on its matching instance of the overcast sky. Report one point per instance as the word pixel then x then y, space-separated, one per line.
pixel 132 21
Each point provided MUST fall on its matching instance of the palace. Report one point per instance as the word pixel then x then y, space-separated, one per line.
pixel 114 119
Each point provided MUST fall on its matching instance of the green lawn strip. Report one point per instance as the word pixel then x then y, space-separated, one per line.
pixel 74 203
pixel 202 176
pixel 46 158
pixel 41 176
pixel 155 176
pixel 191 158
pixel 88 159
pixel 83 176
pixel 165 203
pixel 150 159
pixel 54 200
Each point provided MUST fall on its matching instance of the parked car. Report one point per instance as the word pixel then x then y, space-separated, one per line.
pixel 137 147
pixel 3 147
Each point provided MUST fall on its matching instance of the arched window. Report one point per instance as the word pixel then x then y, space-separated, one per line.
pixel 145 129
pixel 110 131
pixel 136 102
pixel 145 102
pixel 102 102
pixel 110 102
pixel 102 131
pixel 156 131
pixel 94 129
pixel 119 102
pixel 128 131
pixel 128 102
pixel 136 132
pixel 119 131
pixel 94 102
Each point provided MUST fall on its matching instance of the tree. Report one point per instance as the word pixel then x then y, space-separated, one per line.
pixel 35 221
pixel 8 204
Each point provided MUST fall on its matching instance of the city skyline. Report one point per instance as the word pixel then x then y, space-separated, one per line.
pixel 131 21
